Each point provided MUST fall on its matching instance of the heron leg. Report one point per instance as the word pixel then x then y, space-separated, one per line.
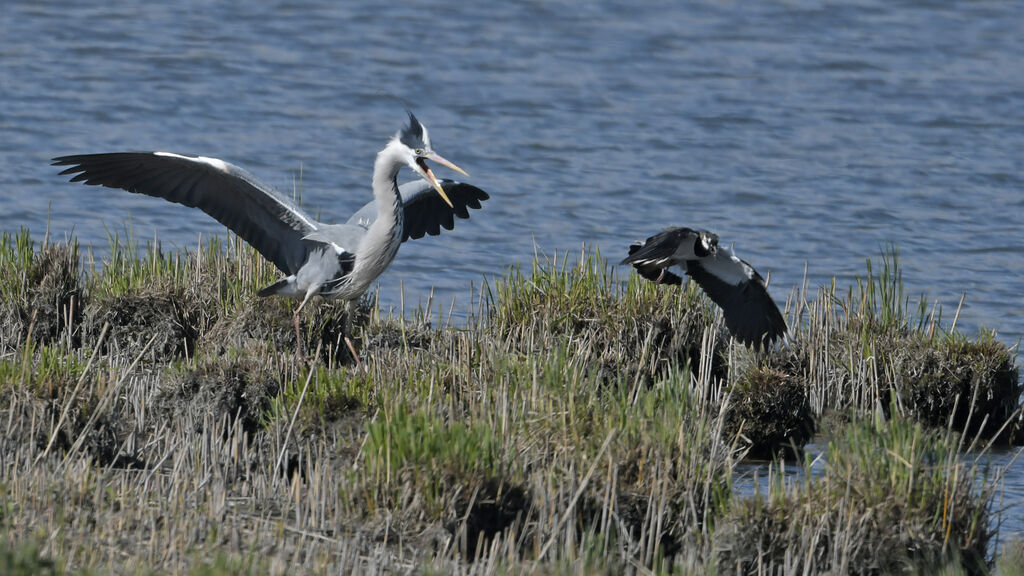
pixel 298 332
pixel 298 339
pixel 350 309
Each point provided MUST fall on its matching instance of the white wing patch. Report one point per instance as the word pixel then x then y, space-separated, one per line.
pixel 727 267
pixel 296 213
pixel 659 262
pixel 215 162
pixel 224 167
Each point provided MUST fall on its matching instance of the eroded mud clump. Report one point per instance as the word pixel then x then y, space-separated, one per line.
pixel 262 325
pixel 325 327
pixel 168 319
pixel 665 343
pixel 391 334
pixel 265 325
pixel 973 383
pixel 100 435
pixel 52 299
pixel 236 391
pixel 104 439
pixel 770 412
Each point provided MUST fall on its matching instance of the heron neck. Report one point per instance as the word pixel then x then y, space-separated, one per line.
pixel 385 181
pixel 378 247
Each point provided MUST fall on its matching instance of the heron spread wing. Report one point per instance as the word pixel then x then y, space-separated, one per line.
pixel 425 211
pixel 750 313
pixel 266 220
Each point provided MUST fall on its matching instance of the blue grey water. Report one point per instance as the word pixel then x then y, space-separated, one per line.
pixel 808 133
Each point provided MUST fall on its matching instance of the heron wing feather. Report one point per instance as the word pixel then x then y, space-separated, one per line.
pixel 268 221
pixel 425 212
pixel 345 237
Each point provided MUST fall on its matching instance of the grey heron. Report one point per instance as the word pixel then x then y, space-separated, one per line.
pixel 327 260
pixel 751 315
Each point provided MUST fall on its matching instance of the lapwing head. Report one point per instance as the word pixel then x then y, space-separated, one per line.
pixel 706 245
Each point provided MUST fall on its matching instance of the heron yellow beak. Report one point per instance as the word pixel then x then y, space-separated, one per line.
pixel 443 162
pixel 434 156
pixel 433 182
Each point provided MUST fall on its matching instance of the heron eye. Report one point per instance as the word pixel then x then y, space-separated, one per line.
pixel 418 151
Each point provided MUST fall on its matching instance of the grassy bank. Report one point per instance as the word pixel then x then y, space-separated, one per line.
pixel 157 421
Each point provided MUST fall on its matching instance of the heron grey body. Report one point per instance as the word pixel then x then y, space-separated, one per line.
pixel 349 257
pixel 751 315
pixel 329 260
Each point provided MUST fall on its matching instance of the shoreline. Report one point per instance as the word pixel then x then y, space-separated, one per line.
pixel 158 420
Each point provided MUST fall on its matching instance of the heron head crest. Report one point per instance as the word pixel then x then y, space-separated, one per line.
pixel 414 135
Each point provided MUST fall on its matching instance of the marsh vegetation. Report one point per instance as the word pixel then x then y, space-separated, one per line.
pixel 571 420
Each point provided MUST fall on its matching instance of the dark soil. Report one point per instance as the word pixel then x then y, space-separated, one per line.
pixel 488 511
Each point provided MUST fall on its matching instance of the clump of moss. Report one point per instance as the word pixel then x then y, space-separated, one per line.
pixel 392 333
pixel 667 474
pixel 104 436
pixel 333 403
pixel 658 499
pixel 770 414
pixel 86 423
pixel 55 292
pixel 24 409
pixel 261 326
pixel 325 328
pixel 424 448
